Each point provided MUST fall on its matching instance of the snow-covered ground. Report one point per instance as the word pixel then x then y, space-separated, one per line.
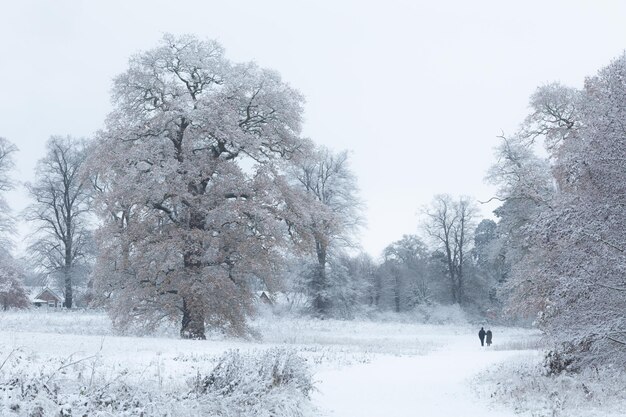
pixel 359 368
pixel 437 384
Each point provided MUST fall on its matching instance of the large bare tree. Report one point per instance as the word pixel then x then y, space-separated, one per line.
pixel 61 202
pixel 450 224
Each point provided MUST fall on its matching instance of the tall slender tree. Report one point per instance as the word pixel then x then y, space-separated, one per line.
pixel 330 218
pixel 12 293
pixel 60 212
pixel 450 224
pixel 526 190
pixel 7 150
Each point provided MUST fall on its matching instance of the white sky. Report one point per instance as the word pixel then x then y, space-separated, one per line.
pixel 418 90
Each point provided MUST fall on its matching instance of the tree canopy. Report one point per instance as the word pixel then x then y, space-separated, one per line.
pixel 191 192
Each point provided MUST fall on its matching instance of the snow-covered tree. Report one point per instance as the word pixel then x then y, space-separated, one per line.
pixel 330 218
pixel 405 266
pixel 347 285
pixel 575 263
pixel 60 209
pixel 555 116
pixel 526 189
pixel 363 270
pixel 489 268
pixel 191 196
pixel 7 149
pixel 12 292
pixel 484 235
pixel 450 224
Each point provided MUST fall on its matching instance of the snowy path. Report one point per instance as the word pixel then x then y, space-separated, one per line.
pixel 434 385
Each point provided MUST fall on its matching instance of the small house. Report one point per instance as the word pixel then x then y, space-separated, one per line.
pixel 265 299
pixel 46 297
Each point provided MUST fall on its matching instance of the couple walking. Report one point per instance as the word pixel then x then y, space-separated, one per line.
pixel 482 335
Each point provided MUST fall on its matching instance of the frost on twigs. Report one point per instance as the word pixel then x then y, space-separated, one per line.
pixel 259 384
pixel 559 360
pixel 191 195
pixel 563 219
pixel 522 384
pixel 274 383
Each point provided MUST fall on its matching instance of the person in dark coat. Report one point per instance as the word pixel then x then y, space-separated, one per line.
pixel 489 336
pixel 481 336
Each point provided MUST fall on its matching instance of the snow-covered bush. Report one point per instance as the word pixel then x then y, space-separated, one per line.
pixel 432 313
pixel 274 383
pixel 563 358
pixel 443 314
pixel 259 384
pixel 525 386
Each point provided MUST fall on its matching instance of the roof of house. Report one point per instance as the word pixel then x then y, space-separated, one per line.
pixel 36 293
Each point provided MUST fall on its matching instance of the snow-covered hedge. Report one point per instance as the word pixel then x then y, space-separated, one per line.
pixel 528 387
pixel 57 320
pixel 274 383
pixel 437 314
pixel 269 383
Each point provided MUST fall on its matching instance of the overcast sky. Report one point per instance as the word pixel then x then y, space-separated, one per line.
pixel 417 90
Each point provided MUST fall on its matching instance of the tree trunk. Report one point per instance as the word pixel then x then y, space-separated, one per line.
pixel 396 297
pixel 321 303
pixel 378 289
pixel 453 284
pixel 320 297
pixel 192 326
pixel 193 319
pixel 459 275
pixel 67 270
pixel 453 275
pixel 68 287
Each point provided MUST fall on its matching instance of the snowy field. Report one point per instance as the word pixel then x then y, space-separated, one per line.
pixel 358 368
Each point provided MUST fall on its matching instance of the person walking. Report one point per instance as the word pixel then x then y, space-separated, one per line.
pixel 481 336
pixel 489 337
